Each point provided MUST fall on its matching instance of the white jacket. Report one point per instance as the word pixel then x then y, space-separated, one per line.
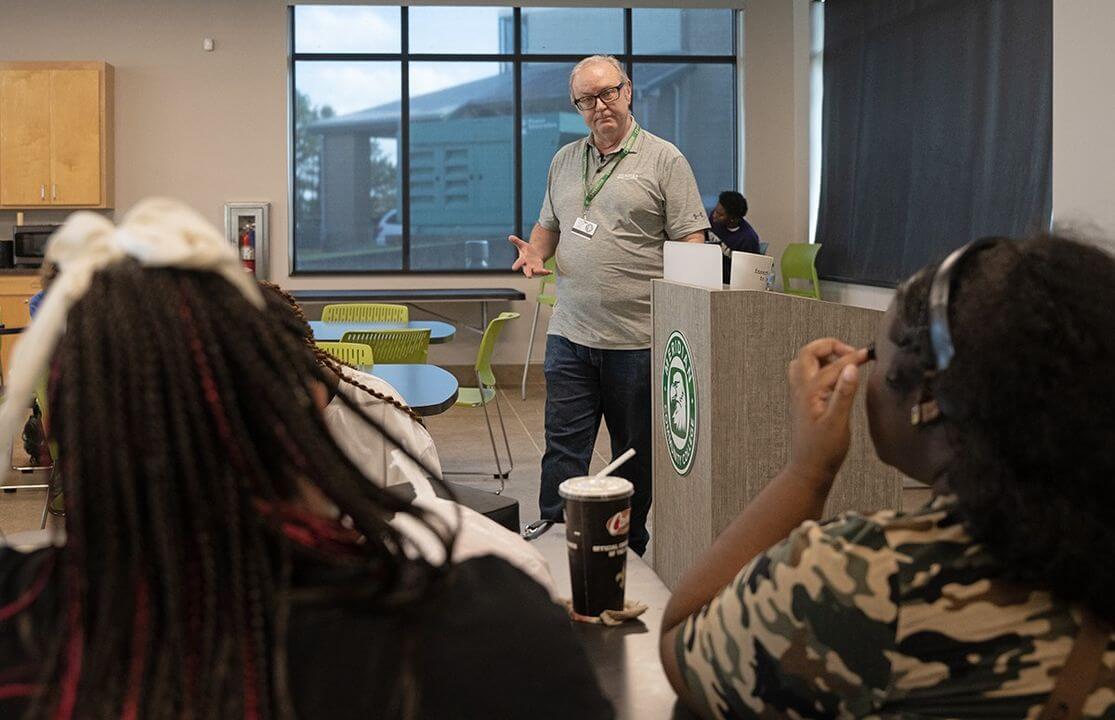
pixel 364 445
pixel 386 465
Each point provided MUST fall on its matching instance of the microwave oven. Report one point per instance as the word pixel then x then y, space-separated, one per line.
pixel 29 244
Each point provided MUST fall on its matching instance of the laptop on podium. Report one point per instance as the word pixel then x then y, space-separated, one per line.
pixel 693 263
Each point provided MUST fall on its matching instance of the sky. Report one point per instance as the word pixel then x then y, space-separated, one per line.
pixel 349 87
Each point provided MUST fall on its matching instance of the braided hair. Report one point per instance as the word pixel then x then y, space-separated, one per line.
pixel 1028 407
pixel 188 437
pixel 302 327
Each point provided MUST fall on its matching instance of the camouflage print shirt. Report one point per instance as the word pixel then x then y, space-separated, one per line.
pixel 888 615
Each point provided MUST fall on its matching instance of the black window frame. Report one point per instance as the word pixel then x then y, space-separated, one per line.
pixel 517 58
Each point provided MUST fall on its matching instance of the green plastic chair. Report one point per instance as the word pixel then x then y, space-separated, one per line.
pixel 353 353
pixel 547 295
pixel 393 346
pixel 484 393
pixel 365 312
pixel 799 263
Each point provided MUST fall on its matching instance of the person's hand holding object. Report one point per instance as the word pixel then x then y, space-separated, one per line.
pixel 823 379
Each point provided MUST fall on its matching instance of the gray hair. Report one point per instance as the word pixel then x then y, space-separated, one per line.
pixel 592 59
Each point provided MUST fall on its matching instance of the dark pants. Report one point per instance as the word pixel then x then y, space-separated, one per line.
pixel 583 383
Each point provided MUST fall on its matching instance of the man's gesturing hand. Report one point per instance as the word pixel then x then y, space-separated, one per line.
pixel 530 260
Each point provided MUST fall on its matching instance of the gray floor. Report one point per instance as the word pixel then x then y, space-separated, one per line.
pixel 462 441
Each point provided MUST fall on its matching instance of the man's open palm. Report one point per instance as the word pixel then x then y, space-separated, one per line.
pixel 530 260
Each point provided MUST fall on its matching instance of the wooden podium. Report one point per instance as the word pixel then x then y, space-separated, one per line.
pixel 726 353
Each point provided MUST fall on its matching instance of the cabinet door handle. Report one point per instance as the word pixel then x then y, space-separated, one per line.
pixel 54 192
pixel 42 192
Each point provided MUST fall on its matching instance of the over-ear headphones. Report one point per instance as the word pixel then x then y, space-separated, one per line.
pixel 928 409
pixel 940 290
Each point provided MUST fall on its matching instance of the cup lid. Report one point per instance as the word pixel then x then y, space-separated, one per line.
pixel 590 487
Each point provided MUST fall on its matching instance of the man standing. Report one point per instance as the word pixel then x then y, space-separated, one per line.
pixel 612 199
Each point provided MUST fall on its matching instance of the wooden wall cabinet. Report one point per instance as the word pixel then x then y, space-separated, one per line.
pixel 56 134
pixel 15 309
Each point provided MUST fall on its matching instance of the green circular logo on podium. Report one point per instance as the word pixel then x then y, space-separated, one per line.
pixel 679 403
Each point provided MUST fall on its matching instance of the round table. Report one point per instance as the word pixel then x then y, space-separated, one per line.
pixel 428 389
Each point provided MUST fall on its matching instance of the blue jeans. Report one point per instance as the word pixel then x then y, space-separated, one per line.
pixel 583 384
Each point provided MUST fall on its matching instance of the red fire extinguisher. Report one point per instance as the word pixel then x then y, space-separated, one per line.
pixel 248 248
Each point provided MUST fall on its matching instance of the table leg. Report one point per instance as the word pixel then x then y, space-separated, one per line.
pixel 484 314
pixel 446 318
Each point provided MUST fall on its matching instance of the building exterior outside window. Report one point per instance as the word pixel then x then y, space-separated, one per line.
pixel 422 136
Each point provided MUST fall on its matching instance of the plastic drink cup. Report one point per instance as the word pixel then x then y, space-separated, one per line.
pixel 597 521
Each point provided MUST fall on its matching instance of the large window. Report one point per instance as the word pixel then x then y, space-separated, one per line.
pixel 422 135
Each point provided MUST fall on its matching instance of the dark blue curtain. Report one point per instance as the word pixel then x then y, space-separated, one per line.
pixel 937 128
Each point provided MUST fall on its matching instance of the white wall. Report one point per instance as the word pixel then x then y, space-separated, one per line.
pixel 203 127
pixel 776 106
pixel 865 296
pixel 1084 114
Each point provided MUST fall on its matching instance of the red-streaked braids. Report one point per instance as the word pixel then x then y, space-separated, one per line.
pixel 188 434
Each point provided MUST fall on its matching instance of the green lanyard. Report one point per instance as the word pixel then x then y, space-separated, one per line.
pixel 591 193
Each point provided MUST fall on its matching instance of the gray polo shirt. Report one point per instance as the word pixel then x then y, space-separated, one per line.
pixel 604 281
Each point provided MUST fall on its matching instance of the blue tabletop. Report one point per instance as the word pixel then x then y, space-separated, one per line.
pixel 440 332
pixel 428 389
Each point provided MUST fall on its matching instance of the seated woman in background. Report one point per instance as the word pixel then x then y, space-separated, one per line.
pixel 200 577
pixel 376 458
pixel 363 444
pixel 993 386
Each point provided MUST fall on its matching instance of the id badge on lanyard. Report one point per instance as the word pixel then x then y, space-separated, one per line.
pixel 582 225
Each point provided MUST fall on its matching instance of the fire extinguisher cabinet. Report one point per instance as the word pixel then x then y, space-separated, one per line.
pixel 246 228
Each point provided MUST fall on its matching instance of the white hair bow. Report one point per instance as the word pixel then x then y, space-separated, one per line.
pixel 157 232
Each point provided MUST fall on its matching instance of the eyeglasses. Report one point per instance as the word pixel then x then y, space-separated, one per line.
pixel 608 95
